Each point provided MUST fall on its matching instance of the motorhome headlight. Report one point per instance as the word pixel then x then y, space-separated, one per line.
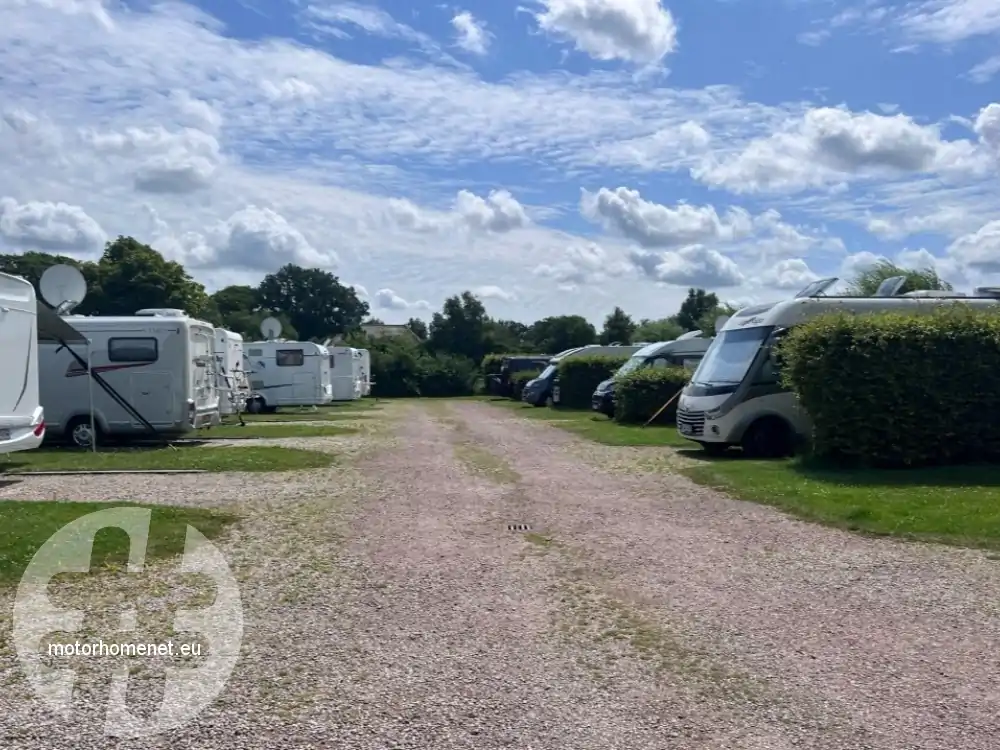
pixel 714 413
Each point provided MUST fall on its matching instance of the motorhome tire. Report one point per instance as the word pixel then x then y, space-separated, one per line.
pixel 769 437
pixel 255 405
pixel 80 434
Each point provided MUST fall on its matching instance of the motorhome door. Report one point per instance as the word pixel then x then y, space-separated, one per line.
pixel 150 387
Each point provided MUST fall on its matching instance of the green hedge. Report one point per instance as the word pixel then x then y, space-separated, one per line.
pixel 491 363
pixel 895 389
pixel 640 393
pixel 518 380
pixel 579 376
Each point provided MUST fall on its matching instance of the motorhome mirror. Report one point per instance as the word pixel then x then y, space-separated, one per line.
pixel 63 287
pixel 270 328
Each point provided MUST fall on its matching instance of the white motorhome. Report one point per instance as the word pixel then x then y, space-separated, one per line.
pixel 545 388
pixel 232 382
pixel 735 397
pixel 366 372
pixel 287 373
pixel 345 373
pixel 149 374
pixel 22 418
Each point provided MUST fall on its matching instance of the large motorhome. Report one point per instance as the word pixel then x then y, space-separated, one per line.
pixel 150 374
pixel 735 397
pixel 234 387
pixel 345 373
pixel 685 351
pixel 287 373
pixel 545 388
pixel 22 422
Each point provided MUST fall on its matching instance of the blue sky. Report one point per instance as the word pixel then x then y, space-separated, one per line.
pixel 553 156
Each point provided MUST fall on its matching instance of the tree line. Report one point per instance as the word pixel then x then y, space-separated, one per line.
pixel 444 354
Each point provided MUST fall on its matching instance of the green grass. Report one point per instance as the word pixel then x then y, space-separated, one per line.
pixel 320 415
pixel 593 426
pixel 951 505
pixel 271 430
pixel 26 526
pixel 184 457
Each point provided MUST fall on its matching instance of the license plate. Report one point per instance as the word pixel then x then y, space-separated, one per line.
pixel 4 434
pixel 685 428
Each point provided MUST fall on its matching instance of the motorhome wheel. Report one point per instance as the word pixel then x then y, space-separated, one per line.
pixel 80 433
pixel 255 405
pixel 769 437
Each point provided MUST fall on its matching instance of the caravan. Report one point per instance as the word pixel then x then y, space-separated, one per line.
pixel 22 424
pixel 231 378
pixel 366 372
pixel 345 373
pixel 287 373
pixel 148 374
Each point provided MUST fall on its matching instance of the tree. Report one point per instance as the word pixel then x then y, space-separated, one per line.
pixel 694 307
pixel 31 265
pixel 866 282
pixel 460 327
pixel 664 329
pixel 618 327
pixel 556 334
pixel 707 323
pixel 374 322
pixel 317 305
pixel 506 336
pixel 418 327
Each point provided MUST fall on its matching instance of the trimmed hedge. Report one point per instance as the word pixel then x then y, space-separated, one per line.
pixel 518 381
pixel 640 393
pixel 491 363
pixel 897 389
pixel 580 376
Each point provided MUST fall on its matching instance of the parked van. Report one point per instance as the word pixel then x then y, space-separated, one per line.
pixel 685 351
pixel 735 397
pixel 345 373
pixel 22 418
pixel 499 383
pixel 287 373
pixel 153 374
pixel 231 378
pixel 545 388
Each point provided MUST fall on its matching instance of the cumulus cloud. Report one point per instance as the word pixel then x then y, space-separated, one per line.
pixel 472 35
pixel 494 292
pixel 696 265
pixel 498 212
pixel 639 31
pixel 791 273
pixel 386 299
pixel 980 250
pixel 581 265
pixel 49 226
pixel 289 89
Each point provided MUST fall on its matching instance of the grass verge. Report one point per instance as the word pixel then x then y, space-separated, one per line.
pixel 26 526
pixel 271 430
pixel 954 505
pixel 484 463
pixel 182 457
pixel 593 426
pixel 320 415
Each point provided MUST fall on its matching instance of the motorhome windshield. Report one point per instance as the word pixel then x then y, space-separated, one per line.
pixel 728 359
pixel 634 363
pixel 548 372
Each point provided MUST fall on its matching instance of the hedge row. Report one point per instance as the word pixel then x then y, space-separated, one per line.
pixel 580 376
pixel 640 393
pixel 518 381
pixel 895 389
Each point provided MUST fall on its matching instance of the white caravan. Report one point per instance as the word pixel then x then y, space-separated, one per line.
pixel 152 374
pixel 234 387
pixel 22 422
pixel 735 397
pixel 287 373
pixel 345 373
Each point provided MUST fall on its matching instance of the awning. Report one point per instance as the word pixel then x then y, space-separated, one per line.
pixel 53 328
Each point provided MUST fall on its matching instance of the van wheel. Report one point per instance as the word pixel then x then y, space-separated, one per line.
pixel 80 434
pixel 767 438
pixel 255 405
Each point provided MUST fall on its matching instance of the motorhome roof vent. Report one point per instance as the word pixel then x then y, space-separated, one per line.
pixel 162 312
pixel 890 287
pixel 987 291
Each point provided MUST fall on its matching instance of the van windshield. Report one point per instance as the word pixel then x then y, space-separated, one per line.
pixel 548 372
pixel 634 363
pixel 728 359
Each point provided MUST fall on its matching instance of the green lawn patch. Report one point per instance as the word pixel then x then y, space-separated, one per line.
pixel 270 430
pixel 957 505
pixel 249 458
pixel 26 526
pixel 320 415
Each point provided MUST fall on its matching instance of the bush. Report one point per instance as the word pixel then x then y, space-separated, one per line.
pixel 579 376
pixel 518 381
pixel 895 389
pixel 640 393
pixel 491 363
pixel 401 368
pixel 443 375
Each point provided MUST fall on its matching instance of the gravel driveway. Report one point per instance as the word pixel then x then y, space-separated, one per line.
pixel 476 581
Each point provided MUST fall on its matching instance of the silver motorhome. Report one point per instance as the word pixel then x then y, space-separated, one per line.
pixel 22 422
pixel 735 397
pixel 287 373
pixel 158 369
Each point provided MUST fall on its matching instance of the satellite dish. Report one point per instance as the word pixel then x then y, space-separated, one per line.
pixel 63 287
pixel 271 328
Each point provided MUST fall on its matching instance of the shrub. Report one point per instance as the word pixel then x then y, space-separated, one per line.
pixel 404 368
pixel 443 375
pixel 579 376
pixel 897 389
pixel 640 393
pixel 491 363
pixel 518 381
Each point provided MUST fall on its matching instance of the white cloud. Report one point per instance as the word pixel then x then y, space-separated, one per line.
pixel 950 21
pixel 640 31
pixel 987 126
pixel 386 299
pixel 494 292
pixel 986 70
pixel 38 225
pixel 498 212
pixel 696 266
pixel 472 35
pixel 791 273
pixel 979 251
pixel 582 265
pixel 288 89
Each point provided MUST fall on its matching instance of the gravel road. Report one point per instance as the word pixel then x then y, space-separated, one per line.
pixel 469 579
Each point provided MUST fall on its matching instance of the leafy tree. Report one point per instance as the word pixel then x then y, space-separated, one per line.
pixel 374 322
pixel 694 307
pixel 460 327
pixel 664 329
pixel 555 334
pixel 618 327
pixel 866 282
pixel 506 336
pixel 418 327
pixel 316 303
pixel 707 323
pixel 31 265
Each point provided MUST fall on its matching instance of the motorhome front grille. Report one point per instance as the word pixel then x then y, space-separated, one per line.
pixel 693 421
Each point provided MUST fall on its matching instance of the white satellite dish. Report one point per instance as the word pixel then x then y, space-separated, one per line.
pixel 271 328
pixel 63 287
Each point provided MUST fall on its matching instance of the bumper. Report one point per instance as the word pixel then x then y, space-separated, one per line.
pixel 603 403
pixel 23 437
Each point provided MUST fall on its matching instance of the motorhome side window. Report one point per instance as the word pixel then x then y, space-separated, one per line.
pixel 129 349
pixel 289 357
